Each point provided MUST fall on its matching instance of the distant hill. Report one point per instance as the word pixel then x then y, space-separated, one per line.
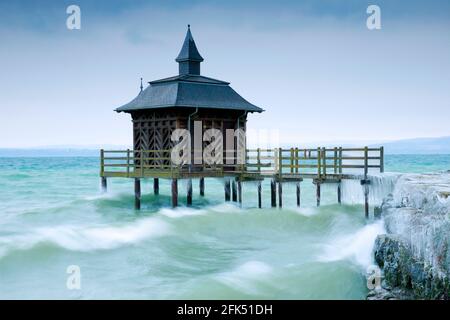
pixel 418 146
pixel 408 146
pixel 58 151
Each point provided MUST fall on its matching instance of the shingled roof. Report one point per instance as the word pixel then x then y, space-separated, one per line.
pixel 189 88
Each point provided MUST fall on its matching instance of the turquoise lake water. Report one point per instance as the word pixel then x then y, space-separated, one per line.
pixel 52 216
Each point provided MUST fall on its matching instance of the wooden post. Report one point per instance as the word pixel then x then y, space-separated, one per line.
pixel 339 193
pixel 382 159
pixel 291 162
pixel 104 185
pixel 366 200
pixel 324 159
pixel 128 163
pixel 189 192
pixel 259 195
pixel 340 160
pixel 366 162
pixel 273 191
pixel 239 186
pixel 142 163
pixel 318 163
pixel 137 193
pixel 258 159
pixel 102 162
pixel 335 160
pixel 233 190
pixel 174 192
pixel 318 193
pixel 366 182
pixel 296 160
pixel 227 189
pixel 156 186
pixel 298 194
pixel 202 187
pixel 280 194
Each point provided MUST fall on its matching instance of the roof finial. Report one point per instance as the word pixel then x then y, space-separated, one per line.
pixel 142 87
pixel 189 26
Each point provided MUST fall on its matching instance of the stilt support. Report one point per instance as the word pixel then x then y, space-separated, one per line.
pixel 366 200
pixel 227 189
pixel 189 192
pixel 239 187
pixel 259 195
pixel 339 193
pixel 202 187
pixel 280 194
pixel 273 193
pixel 233 191
pixel 174 193
pixel 137 193
pixel 104 185
pixel 318 193
pixel 156 186
pixel 298 194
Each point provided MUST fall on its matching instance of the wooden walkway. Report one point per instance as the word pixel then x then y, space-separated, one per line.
pixel 321 165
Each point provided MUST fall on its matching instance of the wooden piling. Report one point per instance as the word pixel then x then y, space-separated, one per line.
pixel 280 194
pixel 104 185
pixel 339 193
pixel 318 193
pixel 137 193
pixel 273 193
pixel 298 193
pixel 156 186
pixel 189 192
pixel 202 187
pixel 233 191
pixel 227 189
pixel 366 200
pixel 174 193
pixel 259 195
pixel 239 187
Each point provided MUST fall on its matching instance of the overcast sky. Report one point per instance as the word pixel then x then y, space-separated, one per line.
pixel 315 68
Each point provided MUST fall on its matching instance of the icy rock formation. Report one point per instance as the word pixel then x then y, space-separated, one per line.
pixel 415 254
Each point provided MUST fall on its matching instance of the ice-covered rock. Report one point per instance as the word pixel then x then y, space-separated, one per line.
pixel 415 255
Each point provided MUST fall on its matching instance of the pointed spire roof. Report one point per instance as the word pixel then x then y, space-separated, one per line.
pixel 189 51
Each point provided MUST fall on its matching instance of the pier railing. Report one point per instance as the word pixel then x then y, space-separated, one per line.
pixel 284 163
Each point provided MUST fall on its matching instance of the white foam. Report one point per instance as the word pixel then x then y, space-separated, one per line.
pixel 246 276
pixel 356 247
pixel 85 238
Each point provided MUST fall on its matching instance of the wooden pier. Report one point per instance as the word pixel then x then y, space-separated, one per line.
pixel 320 165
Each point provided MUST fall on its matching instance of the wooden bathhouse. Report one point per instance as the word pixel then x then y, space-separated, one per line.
pixel 188 99
pixel 176 102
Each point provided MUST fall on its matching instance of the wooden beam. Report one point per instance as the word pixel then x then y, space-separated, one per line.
pixel 156 186
pixel 227 189
pixel 202 187
pixel 104 185
pixel 239 187
pixel 298 193
pixel 280 194
pixel 259 195
pixel 189 192
pixel 318 193
pixel 137 193
pixel 233 190
pixel 339 193
pixel 174 192
pixel 273 193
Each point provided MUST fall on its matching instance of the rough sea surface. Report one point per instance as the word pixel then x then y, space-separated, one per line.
pixel 52 216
